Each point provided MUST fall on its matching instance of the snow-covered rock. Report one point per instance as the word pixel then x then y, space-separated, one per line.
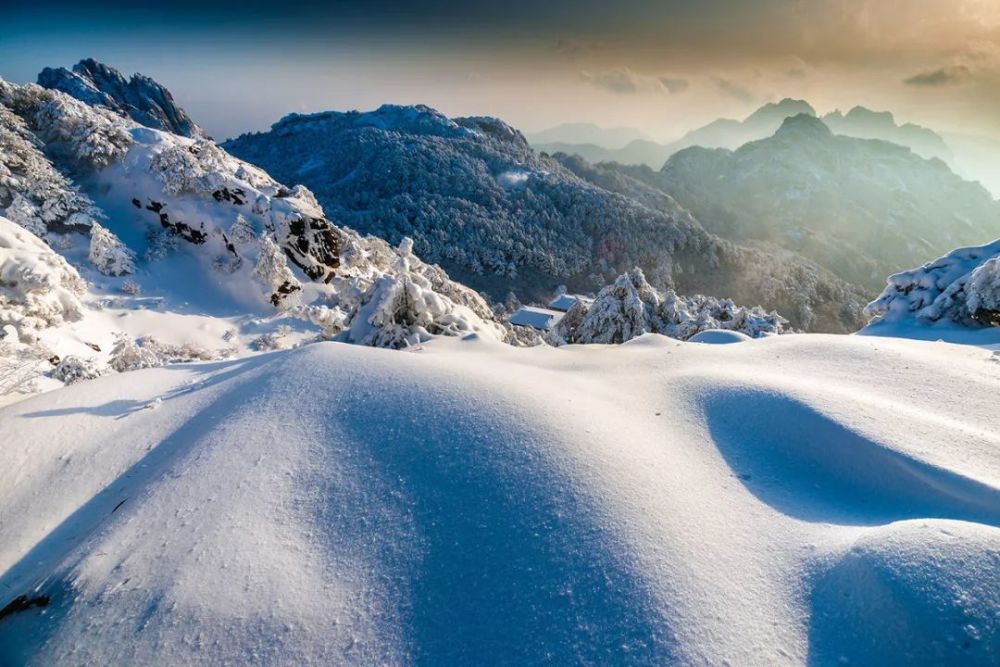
pixel 631 307
pixel 963 288
pixel 140 98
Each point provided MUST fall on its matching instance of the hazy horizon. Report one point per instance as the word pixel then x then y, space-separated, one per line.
pixel 662 68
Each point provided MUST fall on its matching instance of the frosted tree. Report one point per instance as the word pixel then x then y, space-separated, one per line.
pixel 273 272
pixel 983 292
pixel 108 253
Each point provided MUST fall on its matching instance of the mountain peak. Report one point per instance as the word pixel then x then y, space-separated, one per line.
pixel 140 98
pixel 780 110
pixel 803 124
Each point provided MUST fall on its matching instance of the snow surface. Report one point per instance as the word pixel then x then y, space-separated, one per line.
pixel 798 499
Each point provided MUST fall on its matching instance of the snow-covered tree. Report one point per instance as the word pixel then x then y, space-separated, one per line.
pixel 273 272
pixel 631 307
pixel 962 287
pixel 108 253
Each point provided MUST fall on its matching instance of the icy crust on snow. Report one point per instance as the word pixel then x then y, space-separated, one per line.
pixel 38 288
pixel 653 503
pixel 963 288
pixel 631 307
pixel 140 98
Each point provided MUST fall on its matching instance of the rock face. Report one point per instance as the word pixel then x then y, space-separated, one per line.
pixel 140 98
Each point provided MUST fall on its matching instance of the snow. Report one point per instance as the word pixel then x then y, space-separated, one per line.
pixel 38 288
pixel 649 503
pixel 536 318
pixel 954 298
pixel 718 337
pixel 566 301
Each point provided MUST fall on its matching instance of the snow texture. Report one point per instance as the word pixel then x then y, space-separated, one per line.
pixel 653 503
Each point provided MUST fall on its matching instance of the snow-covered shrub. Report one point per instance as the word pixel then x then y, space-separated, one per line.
pixel 241 232
pixel 631 307
pixel 108 253
pixel 962 287
pixel 74 369
pixel 271 340
pixel 129 354
pixel 273 272
pixel 38 288
pixel 130 288
pixel 20 367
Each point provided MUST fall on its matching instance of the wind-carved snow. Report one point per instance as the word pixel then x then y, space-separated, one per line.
pixel 656 502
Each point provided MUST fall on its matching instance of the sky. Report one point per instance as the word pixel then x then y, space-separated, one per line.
pixel 661 66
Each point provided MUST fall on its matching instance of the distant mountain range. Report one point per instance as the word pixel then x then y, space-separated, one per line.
pixel 974 158
pixel 588 133
pixel 861 208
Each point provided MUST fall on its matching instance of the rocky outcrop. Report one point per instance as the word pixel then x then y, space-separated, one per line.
pixel 140 98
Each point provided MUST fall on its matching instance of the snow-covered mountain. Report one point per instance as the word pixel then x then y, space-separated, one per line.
pixel 140 98
pixel 126 246
pixel 479 201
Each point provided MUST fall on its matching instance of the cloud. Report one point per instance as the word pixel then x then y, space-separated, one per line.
pixel 574 48
pixel 795 73
pixel 943 76
pixel 734 90
pixel 623 81
pixel 674 84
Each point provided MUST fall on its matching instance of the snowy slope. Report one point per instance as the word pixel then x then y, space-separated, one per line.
pixel 472 503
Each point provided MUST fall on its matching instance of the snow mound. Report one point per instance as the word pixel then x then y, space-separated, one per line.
pixel 718 337
pixel 38 288
pixel 961 288
pixel 653 503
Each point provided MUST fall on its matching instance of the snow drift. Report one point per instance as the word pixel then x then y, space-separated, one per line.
pixel 651 503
